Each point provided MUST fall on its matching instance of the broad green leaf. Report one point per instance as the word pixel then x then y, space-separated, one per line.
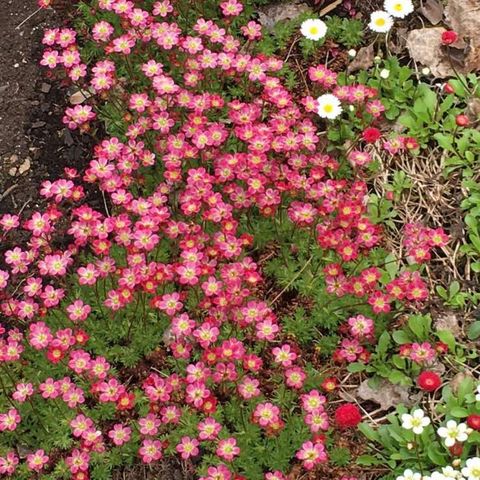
pixel 447 337
pixel 369 432
pixel 401 337
pixel 474 330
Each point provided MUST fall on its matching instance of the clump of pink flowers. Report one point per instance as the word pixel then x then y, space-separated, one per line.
pixel 169 251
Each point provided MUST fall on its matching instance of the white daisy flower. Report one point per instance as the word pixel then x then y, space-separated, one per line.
pixel 416 422
pixel 453 433
pixel 398 8
pixel 450 472
pixel 437 476
pixel 329 106
pixel 380 22
pixel 409 475
pixel 471 471
pixel 477 396
pixel 313 29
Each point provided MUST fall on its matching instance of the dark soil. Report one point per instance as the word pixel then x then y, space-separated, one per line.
pixel 34 145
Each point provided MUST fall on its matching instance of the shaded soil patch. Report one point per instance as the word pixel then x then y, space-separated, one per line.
pixel 34 145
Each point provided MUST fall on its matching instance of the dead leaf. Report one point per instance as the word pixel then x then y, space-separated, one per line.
pixel 473 109
pixel 463 16
pixel 270 15
pixel 457 380
pixel 398 40
pixel 424 45
pixel 448 321
pixel 432 10
pixel 363 60
pixel 387 395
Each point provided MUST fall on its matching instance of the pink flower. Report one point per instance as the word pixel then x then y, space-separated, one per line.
pixel 36 461
pixel 188 447
pixel 78 461
pixel 227 449
pixel 10 420
pixel 208 429
pixel 311 454
pixel 120 434
pixel 150 450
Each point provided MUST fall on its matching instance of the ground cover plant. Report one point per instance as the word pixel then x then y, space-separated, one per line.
pixel 223 268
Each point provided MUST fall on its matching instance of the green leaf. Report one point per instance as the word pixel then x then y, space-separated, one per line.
pixel 474 330
pixel 446 336
pixel 401 337
pixel 367 460
pixel 420 326
pixel 458 412
pixel 465 387
pixel 383 344
pixel 398 377
pixel 453 289
pixel 356 367
pixel 369 432
pixel 435 455
pixel 445 141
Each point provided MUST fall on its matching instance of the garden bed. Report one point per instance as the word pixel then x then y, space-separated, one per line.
pixel 239 255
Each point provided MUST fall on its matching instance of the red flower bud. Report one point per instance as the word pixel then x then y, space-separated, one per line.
pixel 448 88
pixel 462 120
pixel 371 134
pixel 456 450
pixel 441 347
pixel 319 438
pixel 449 37
pixel 473 421
pixel 348 415
pixel 429 381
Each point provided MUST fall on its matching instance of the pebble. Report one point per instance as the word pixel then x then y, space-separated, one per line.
pixel 24 167
pixel 45 87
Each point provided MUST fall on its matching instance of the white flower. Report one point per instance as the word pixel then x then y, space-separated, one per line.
pixel 409 475
pixel 471 471
pixel 453 433
pixel 352 53
pixel 313 29
pixel 437 476
pixel 450 472
pixel 477 396
pixel 385 73
pixel 398 8
pixel 416 422
pixel 329 106
pixel 380 22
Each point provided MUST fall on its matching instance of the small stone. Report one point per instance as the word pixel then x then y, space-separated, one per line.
pixel 13 171
pixel 13 158
pixel 79 97
pixel 45 87
pixel 24 167
pixel 38 124
pixel 67 137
